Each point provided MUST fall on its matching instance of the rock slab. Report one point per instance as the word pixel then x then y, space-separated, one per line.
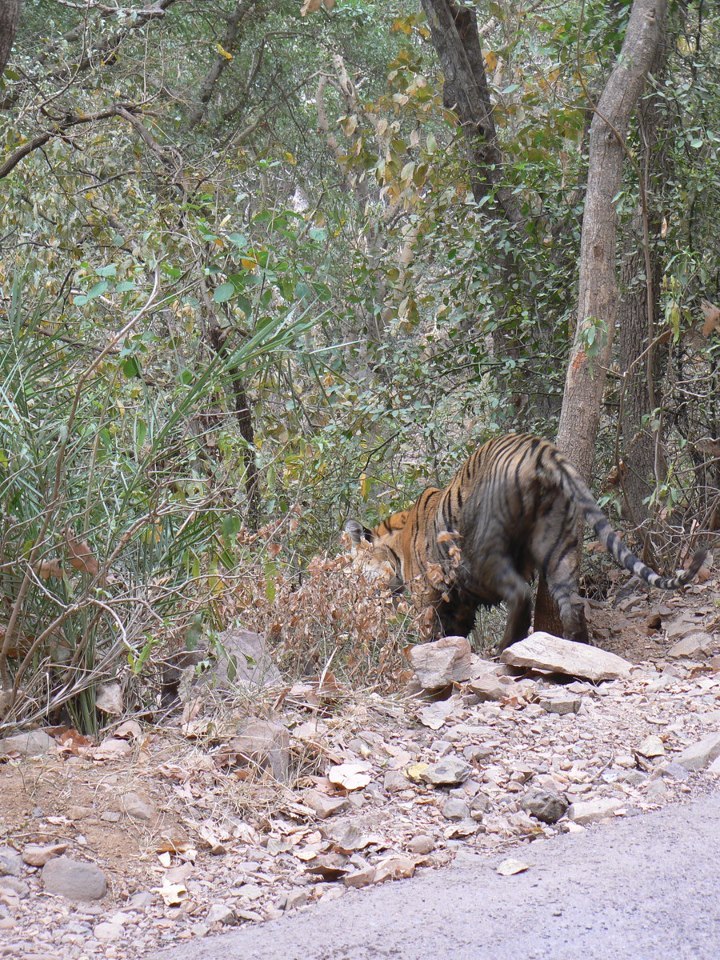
pixel 543 651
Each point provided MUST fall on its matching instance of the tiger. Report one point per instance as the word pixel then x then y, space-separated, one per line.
pixel 513 509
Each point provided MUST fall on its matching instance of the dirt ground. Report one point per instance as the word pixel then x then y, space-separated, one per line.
pixel 191 842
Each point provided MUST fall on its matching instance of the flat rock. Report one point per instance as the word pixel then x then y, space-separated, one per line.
pixel 74 879
pixel 697 644
pixel 35 855
pixel 545 805
pixel 543 651
pixel 699 755
pixel 588 811
pixel 32 744
pixel 441 662
pixel 448 772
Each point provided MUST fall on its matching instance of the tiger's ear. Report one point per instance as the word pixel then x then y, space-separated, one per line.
pixel 358 532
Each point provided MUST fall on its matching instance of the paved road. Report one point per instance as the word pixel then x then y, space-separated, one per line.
pixel 645 888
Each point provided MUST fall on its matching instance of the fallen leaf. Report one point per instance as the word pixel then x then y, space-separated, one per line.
pixel 173 893
pixel 350 776
pixel 415 771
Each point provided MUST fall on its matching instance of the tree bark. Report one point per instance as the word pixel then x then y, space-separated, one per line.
pixel 598 294
pixel 9 19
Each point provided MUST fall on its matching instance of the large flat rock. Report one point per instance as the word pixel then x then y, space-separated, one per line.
pixel 543 651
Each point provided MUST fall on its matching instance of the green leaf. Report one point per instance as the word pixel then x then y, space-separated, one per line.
pixel 109 271
pixel 130 367
pixel 224 292
pixel 97 291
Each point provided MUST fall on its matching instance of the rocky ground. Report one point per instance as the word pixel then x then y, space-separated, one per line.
pixel 240 813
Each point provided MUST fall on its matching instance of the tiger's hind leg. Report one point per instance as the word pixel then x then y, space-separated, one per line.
pixel 562 585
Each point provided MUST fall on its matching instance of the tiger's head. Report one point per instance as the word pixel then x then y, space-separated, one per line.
pixel 380 550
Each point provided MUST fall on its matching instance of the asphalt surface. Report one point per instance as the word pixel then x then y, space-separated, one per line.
pixel 644 887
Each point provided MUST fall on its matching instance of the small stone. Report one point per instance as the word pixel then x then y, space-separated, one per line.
pixel 14 887
pixel 421 844
pixel 360 878
pixel 656 789
pixel 395 781
pixel 560 703
pixel 11 864
pixel 701 754
pixel 588 811
pixel 488 688
pixel 394 868
pixel 221 913
pixel 106 931
pixel 74 879
pixel 676 772
pixel 544 805
pixel 138 807
pixel 447 772
pixel 652 746
pixel 324 806
pixel 296 899
pixel 35 855
pixel 139 901
pixel 455 809
pixel 262 744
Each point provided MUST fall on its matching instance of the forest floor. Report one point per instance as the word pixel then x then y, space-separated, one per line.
pixel 191 841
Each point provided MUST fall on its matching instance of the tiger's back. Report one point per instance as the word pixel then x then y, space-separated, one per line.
pixel 512 509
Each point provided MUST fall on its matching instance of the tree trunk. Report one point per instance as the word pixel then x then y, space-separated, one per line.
pixel 598 296
pixel 641 359
pixel 456 39
pixel 9 19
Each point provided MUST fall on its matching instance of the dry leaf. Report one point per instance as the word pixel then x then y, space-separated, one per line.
pixel 173 893
pixel 712 317
pixel 50 568
pixel 80 555
pixel 415 771
pixel 110 699
pixel 130 730
pixel 350 776
pixel 310 6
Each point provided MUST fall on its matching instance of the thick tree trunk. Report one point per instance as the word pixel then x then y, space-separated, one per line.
pixel 598 296
pixel 9 19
